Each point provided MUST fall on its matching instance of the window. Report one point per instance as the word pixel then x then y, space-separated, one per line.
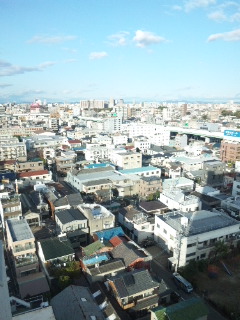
pixel 164 231
pixel 158 226
pixel 190 254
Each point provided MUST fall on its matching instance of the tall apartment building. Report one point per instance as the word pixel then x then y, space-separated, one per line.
pixel 10 207
pixel 22 251
pixel 12 149
pixel 230 151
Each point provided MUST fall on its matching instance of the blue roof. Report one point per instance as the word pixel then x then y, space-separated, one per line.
pixel 79 149
pixel 110 233
pixel 98 165
pixel 96 259
pixel 137 170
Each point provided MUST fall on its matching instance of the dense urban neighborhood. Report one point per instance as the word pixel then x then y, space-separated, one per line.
pixel 117 210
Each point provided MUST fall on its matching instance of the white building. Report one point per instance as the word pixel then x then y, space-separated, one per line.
pixel 119 139
pixel 176 199
pixel 193 235
pixel 127 160
pixel 99 218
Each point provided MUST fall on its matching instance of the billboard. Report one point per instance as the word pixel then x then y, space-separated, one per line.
pixel 232 133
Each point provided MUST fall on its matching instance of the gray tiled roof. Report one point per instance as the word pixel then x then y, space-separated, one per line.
pixel 134 282
pixel 128 253
pixel 110 266
pixel 74 303
pixel 69 215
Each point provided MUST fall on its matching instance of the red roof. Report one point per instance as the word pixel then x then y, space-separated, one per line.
pixel 74 141
pixel 115 241
pixel 8 162
pixel 32 173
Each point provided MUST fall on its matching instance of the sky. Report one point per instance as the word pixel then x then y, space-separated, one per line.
pixel 136 50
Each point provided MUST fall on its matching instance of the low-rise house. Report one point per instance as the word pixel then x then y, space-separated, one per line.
pixel 76 302
pixel 30 165
pixel 191 309
pixel 99 218
pixel 32 177
pixel 132 255
pixel 55 250
pixel 153 207
pixel 137 291
pixel 179 200
pixel 96 269
pixel 232 206
pixel 74 224
pixel 193 235
pixel 137 225
pixel 126 160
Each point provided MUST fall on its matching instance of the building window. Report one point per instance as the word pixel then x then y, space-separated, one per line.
pixel 164 231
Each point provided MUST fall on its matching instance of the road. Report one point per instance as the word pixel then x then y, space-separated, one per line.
pixel 160 271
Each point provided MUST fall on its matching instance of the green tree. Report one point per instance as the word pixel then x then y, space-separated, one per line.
pixel 63 282
pixel 220 250
pixel 204 117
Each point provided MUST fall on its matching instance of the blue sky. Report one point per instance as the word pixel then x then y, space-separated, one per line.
pixel 137 50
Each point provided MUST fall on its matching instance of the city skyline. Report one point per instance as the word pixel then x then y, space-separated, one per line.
pixel 135 50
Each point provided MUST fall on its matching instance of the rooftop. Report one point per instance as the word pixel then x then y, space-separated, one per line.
pixel 198 222
pixel 137 170
pixel 19 230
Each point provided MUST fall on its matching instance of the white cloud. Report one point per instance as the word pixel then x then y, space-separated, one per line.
pixel 225 36
pixel 97 55
pixel 70 61
pixel 145 38
pixel 8 69
pixel 119 39
pixel 194 4
pixel 217 16
pixel 5 85
pixel 51 39
pixel 177 8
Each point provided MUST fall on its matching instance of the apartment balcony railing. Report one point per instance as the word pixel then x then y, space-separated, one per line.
pixel 24 248
pixel 26 261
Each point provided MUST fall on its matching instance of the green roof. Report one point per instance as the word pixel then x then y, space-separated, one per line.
pixel 191 309
pixel 53 248
pixel 93 248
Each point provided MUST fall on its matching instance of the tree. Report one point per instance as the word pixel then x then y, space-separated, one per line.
pixel 63 282
pixel 204 117
pixel 220 250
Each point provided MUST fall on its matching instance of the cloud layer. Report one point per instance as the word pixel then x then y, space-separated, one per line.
pixel 143 39
pixel 225 36
pixel 97 55
pixel 8 69
pixel 51 39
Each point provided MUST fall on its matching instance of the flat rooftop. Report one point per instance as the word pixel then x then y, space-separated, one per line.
pixel 198 222
pixel 19 230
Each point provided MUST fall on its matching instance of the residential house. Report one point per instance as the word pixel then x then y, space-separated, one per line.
pixel 30 165
pixel 153 207
pixel 126 160
pixel 74 224
pixel 32 177
pixel 137 225
pixel 137 291
pixel 55 251
pixel 99 218
pixel 180 200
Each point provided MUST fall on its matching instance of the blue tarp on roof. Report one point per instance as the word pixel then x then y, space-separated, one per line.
pixel 98 165
pixel 108 234
pixel 96 259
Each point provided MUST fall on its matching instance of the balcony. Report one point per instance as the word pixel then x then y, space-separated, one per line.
pixel 20 262
pixel 24 248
